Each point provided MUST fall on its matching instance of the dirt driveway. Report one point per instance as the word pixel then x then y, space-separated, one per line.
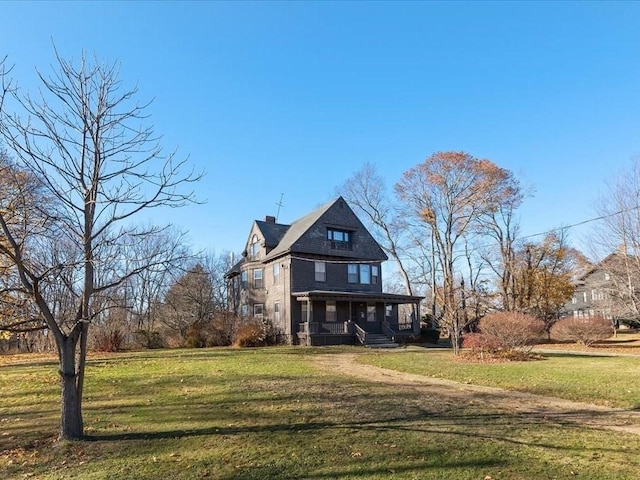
pixel 524 405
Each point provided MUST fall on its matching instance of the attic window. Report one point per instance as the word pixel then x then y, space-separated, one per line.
pixel 255 248
pixel 340 239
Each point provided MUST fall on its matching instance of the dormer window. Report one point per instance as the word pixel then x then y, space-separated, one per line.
pixel 340 239
pixel 254 253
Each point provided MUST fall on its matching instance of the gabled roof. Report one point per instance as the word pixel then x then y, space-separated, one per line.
pixel 281 239
pixel 298 228
pixel 272 232
pixel 605 264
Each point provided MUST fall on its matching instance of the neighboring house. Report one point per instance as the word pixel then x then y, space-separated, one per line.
pixel 318 281
pixel 609 288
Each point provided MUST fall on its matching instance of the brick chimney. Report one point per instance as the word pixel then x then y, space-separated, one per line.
pixel 270 219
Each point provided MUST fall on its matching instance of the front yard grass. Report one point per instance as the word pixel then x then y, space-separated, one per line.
pixel 273 414
pixel 602 380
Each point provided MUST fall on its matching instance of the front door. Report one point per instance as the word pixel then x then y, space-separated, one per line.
pixel 359 314
pixel 365 318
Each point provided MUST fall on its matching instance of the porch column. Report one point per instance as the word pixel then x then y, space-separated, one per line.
pixel 416 320
pixel 309 317
pixel 384 313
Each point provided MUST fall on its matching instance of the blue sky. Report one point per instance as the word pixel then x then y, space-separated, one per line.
pixel 291 98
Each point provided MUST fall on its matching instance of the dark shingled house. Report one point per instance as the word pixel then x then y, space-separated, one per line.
pixel 318 281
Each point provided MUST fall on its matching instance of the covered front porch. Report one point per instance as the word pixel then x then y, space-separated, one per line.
pixel 351 318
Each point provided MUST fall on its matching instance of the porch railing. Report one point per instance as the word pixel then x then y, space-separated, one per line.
pixel 388 331
pixel 331 328
pixel 361 335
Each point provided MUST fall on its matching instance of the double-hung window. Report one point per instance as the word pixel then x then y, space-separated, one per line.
pixel 276 273
pixel 254 253
pixel 321 271
pixel 352 273
pixel 365 274
pixel 257 310
pixel 257 278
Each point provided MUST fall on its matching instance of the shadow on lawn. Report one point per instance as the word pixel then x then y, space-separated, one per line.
pixel 418 467
pixel 473 426
pixel 581 354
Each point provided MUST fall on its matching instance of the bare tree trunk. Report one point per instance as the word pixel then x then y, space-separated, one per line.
pixel 71 424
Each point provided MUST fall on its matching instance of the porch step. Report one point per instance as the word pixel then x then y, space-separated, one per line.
pixel 378 340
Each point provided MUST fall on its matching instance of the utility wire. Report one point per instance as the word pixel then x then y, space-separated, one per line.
pixel 584 222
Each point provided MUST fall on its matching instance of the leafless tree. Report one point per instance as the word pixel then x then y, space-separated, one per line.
pixel 189 305
pixel 216 266
pixel 618 232
pixel 366 191
pixel 84 138
pixel 500 224
pixel 477 297
pixel 144 291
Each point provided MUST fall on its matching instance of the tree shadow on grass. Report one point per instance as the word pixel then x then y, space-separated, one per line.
pixel 472 426
pixel 351 471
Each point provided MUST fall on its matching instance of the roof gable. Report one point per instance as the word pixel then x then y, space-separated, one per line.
pixel 309 234
pixel 272 233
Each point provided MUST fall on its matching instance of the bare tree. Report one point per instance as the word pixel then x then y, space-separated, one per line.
pixel 216 266
pixel 84 138
pixel 143 292
pixel 500 224
pixel 618 232
pixel 189 305
pixel 477 298
pixel 365 190
pixel 129 310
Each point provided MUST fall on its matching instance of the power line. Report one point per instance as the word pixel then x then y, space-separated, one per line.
pixel 584 222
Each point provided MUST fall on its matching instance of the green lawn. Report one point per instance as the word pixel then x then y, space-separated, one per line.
pixel 272 414
pixel 602 380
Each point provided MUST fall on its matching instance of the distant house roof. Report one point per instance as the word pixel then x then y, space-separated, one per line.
pixel 609 262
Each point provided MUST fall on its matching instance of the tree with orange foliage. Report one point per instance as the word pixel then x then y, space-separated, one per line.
pixel 21 197
pixel 543 277
pixel 448 194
